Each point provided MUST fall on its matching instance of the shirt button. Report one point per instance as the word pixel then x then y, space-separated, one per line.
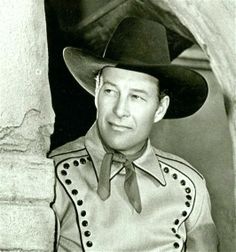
pixel 82 161
pixel 182 182
pixel 176 245
pixel 83 213
pixel 87 233
pixel 187 190
pixel 66 165
pixel 74 192
pixel 68 181
pixel 166 169
pixel 174 176
pixel 189 197
pixel 80 202
pixel 177 236
pixel 76 163
pixel 85 223
pixel 89 244
pixel 184 213
pixel 187 204
pixel 176 222
pixel 63 172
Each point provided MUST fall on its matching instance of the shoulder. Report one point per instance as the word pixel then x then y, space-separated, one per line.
pixel 177 169
pixel 179 164
pixel 74 145
pixel 181 175
pixel 68 150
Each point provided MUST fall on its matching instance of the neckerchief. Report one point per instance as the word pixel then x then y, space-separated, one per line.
pixel 130 183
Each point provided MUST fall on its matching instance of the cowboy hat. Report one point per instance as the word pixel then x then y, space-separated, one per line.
pixel 141 45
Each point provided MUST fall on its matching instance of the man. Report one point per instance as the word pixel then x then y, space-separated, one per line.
pixel 114 190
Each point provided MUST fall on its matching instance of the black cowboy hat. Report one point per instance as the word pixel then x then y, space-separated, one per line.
pixel 141 45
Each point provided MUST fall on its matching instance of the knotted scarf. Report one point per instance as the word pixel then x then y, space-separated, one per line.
pixel 130 183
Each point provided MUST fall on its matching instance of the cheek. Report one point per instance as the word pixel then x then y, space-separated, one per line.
pixel 103 109
pixel 100 102
pixel 144 123
pixel 144 116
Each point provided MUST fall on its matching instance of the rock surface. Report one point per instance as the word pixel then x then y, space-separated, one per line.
pixel 26 122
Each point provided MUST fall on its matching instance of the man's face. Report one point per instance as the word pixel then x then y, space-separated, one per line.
pixel 127 106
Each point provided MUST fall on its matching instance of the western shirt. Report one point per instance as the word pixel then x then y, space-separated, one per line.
pixel 176 211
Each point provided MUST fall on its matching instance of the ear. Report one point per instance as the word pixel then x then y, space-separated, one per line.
pixel 162 108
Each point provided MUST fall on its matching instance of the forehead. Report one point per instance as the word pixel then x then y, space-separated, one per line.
pixel 118 75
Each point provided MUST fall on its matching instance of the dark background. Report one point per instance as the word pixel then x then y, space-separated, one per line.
pixel 74 107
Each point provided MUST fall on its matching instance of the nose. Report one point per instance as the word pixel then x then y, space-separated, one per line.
pixel 120 108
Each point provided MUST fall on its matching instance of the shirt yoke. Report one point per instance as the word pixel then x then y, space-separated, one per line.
pixel 75 148
pixel 178 163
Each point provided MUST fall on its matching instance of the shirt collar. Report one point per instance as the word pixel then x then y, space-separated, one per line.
pixel 148 162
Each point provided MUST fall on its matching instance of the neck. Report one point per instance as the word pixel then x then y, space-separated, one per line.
pixel 133 151
pixel 129 154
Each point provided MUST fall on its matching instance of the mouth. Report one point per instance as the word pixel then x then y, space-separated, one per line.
pixel 118 127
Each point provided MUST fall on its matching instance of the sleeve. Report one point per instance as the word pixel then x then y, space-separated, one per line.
pixel 201 235
pixel 67 232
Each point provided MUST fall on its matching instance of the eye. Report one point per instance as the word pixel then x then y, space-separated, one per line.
pixel 110 91
pixel 107 90
pixel 137 97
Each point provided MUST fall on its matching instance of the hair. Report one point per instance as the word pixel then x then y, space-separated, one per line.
pixel 99 78
pixel 161 92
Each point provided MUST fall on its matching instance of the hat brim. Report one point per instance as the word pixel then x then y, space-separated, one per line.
pixel 187 89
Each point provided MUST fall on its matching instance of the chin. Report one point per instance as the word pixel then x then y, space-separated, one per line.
pixel 115 146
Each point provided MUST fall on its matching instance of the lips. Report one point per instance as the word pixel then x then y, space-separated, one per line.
pixel 119 127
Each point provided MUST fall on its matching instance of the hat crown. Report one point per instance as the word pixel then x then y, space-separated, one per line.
pixel 133 43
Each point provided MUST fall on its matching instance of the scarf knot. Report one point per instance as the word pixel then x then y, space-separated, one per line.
pixel 130 184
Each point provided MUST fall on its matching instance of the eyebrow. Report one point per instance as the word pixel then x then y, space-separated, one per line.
pixel 110 83
pixel 139 91
pixel 133 89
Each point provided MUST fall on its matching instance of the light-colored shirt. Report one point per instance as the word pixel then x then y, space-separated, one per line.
pixel 176 214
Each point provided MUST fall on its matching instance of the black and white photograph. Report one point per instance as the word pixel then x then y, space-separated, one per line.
pixel 117 125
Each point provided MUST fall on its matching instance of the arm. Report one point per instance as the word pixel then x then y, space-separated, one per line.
pixel 201 235
pixel 67 233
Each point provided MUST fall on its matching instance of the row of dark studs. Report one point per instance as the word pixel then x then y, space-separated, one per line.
pixel 79 202
pixel 75 163
pixel 187 203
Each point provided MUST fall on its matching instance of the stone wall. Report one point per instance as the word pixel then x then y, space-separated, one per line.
pixel 212 23
pixel 26 122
